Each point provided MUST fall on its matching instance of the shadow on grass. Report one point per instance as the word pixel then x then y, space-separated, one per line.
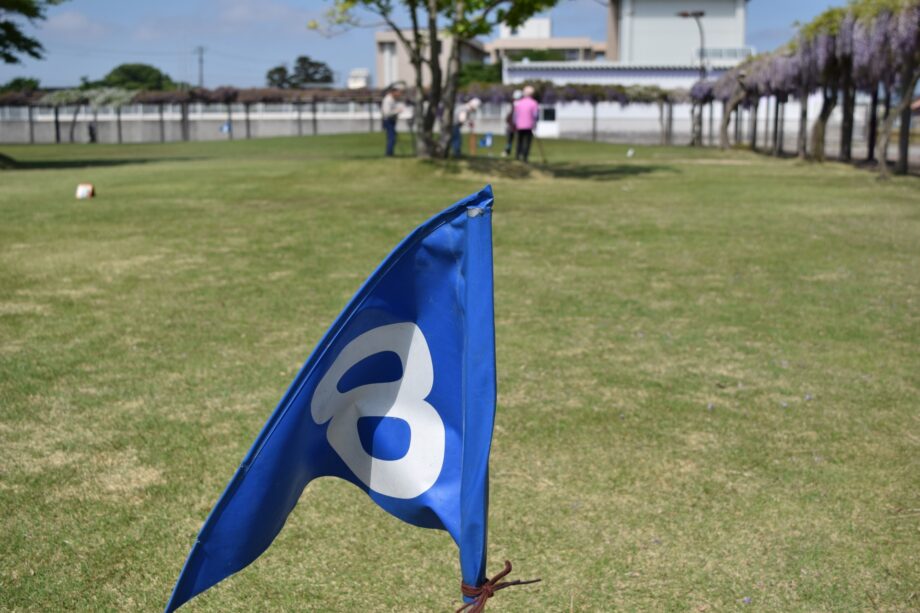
pixel 8 163
pixel 511 169
pixel 602 172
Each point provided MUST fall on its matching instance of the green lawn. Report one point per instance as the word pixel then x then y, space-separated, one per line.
pixel 708 371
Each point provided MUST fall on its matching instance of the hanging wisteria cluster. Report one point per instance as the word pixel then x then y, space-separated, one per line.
pixel 869 46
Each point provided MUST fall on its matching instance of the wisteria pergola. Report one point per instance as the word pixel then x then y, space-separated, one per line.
pixel 869 46
pixel 305 102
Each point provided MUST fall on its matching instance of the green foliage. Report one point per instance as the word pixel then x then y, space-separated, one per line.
pixel 827 22
pixel 537 55
pixel 20 84
pixel 14 42
pixel 278 77
pixel 306 72
pixel 479 72
pixel 869 9
pixel 136 76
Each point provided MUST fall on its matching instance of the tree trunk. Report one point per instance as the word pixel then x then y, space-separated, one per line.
pixel 739 117
pixel 873 126
pixel 776 105
pixel 162 123
pixel 663 139
pixel 118 122
pixel 767 133
pixel 451 84
pixel 904 139
pixel 429 145
pixel 246 117
pixel 819 129
pixel 754 125
pixel 313 119
pixel 782 127
pixel 670 124
pixel 73 121
pixel 728 108
pixel 723 126
pixel 696 124
pixel 57 124
pixel 802 144
pixel 229 122
pixel 909 84
pixel 849 107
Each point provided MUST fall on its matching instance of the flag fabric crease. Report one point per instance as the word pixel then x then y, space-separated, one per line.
pixel 398 398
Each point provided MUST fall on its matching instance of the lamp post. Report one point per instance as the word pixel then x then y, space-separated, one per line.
pixel 697 138
pixel 696 16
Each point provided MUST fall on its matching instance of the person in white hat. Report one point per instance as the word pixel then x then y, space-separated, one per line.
pixel 390 108
pixel 464 115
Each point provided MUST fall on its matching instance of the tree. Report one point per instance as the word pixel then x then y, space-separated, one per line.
pixel 20 84
pixel 14 43
pixel 904 56
pixel 136 76
pixel 278 77
pixel 433 25
pixel 823 33
pixel 306 72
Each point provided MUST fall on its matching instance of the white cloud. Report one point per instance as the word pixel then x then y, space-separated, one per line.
pixel 237 14
pixel 73 25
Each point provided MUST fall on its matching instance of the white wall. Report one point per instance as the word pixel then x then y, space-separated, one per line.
pixel 652 33
pixel 535 27
pixel 599 73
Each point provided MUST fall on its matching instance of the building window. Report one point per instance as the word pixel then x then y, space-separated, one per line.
pixel 388 57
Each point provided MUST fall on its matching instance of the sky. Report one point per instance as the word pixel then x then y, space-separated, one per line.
pixel 243 39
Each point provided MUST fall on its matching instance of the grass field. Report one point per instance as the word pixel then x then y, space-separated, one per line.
pixel 708 367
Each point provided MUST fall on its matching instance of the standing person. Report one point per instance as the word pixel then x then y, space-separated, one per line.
pixel 509 124
pixel 526 112
pixel 390 108
pixel 465 114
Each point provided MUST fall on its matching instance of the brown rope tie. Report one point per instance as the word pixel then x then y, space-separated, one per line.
pixel 488 589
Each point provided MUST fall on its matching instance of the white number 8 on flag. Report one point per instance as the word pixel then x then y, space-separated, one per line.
pixel 415 472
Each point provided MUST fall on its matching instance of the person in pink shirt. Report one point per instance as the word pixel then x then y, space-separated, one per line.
pixel 526 112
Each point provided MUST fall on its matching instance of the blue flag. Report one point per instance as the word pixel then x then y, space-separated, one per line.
pixel 398 398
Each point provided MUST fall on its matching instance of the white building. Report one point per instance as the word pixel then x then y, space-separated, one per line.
pixel 650 32
pixel 648 43
pixel 537 35
pixel 358 78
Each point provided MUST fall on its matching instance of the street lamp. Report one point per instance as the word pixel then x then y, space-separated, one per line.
pixel 696 16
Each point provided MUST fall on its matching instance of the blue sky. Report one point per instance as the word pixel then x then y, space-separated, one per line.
pixel 244 38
